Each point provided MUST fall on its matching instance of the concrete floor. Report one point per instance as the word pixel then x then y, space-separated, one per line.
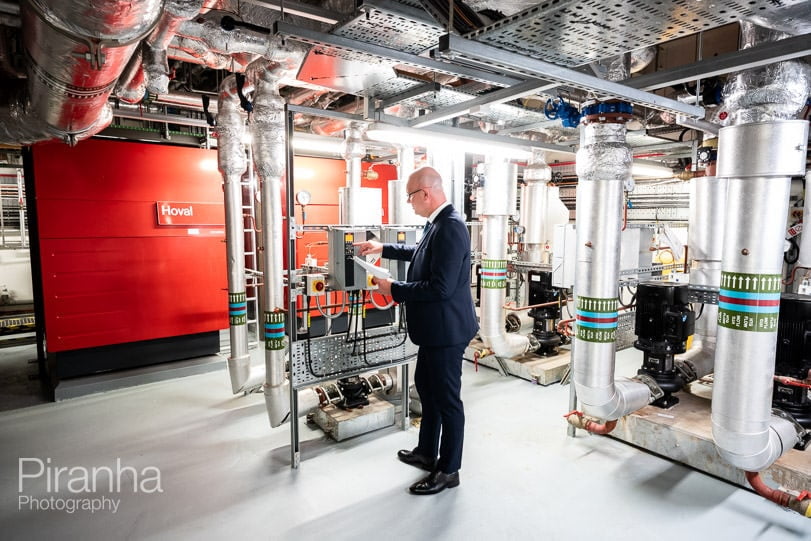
pixel 225 474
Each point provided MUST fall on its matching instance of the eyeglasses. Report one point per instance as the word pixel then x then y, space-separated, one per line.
pixel 411 194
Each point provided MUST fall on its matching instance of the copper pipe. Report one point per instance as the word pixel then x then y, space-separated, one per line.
pixel 801 504
pixel 578 420
pixel 509 306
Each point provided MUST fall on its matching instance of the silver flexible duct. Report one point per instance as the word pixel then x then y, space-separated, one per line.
pixel 758 154
pixel 75 53
pixel 773 92
pixel 708 196
pixel 496 207
pixel 603 166
pixel 534 207
pixel 156 64
pixel 758 159
pixel 233 164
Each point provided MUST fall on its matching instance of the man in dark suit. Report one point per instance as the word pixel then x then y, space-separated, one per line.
pixel 441 321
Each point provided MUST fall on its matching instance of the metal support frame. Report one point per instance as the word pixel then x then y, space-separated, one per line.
pixel 458 49
pixel 295 444
pixel 376 53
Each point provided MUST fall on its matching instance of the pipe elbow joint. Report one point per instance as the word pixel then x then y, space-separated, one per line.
pixel 277 401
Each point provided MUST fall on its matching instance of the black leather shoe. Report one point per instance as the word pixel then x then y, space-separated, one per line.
pixel 436 482
pixel 414 459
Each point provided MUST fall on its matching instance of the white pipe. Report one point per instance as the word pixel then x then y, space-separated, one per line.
pixel 496 208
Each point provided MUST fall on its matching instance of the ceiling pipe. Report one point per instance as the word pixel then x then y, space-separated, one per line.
pixel 76 52
pixel 758 153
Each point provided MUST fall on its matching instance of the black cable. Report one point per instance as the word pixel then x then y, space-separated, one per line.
pixel 700 311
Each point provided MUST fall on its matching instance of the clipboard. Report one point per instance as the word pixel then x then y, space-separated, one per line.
pixel 374 270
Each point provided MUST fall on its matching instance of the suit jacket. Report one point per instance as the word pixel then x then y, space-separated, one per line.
pixel 439 306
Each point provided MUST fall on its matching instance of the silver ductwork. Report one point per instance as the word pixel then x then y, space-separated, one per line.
pixel 233 164
pixel 156 64
pixel 534 207
pixel 603 167
pixel 758 159
pixel 497 204
pixel 708 196
pixel 75 53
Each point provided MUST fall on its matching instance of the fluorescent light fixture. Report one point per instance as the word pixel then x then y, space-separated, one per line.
pixel 648 169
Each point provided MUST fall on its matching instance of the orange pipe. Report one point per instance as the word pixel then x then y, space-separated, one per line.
pixel 800 504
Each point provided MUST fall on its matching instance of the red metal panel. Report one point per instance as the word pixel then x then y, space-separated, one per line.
pixel 111 275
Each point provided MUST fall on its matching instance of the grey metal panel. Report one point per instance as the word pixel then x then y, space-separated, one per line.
pixel 396 27
pixel 574 32
pixel 331 357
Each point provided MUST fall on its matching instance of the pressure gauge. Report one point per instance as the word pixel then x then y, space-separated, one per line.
pixel 303 198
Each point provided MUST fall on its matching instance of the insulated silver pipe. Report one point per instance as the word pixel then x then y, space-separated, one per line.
pixel 534 206
pixel 758 159
pixel 268 130
pixel 233 164
pixel 603 166
pixel 496 206
pixel 708 196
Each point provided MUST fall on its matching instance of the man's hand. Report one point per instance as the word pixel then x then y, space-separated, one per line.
pixel 383 285
pixel 369 247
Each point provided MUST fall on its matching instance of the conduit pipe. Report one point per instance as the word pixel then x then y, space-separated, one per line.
pixel 802 506
pixel 268 131
pixel 603 167
pixel 76 52
pixel 497 205
pixel 758 154
pixel 233 164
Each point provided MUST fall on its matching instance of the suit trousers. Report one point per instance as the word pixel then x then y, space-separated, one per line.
pixel 438 379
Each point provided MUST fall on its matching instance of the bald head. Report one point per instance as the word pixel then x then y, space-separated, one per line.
pixel 425 187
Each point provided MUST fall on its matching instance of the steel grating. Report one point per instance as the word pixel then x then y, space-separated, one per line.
pixel 382 23
pixel 575 32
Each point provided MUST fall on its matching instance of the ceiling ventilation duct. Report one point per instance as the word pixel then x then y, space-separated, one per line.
pixel 75 52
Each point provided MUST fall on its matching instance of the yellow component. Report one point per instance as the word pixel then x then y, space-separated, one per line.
pixel 690 342
pixel 369 283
